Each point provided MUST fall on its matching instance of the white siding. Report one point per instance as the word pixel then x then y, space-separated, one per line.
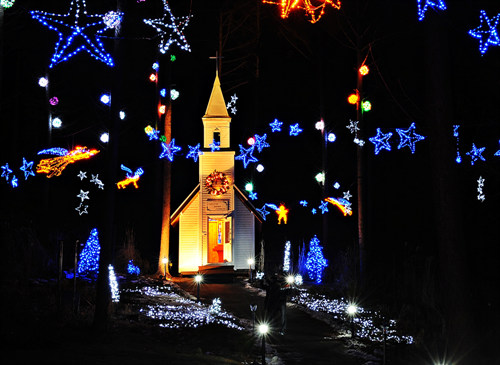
pixel 189 237
pixel 243 235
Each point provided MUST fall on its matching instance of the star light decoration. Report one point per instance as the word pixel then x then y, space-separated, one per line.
pixel 381 141
pixel 214 146
pixel 480 185
pixel 27 168
pixel 6 171
pixel 169 149
pixel 82 209
pixel 458 159
pixel 252 195
pixel 77 32
pixel 83 195
pixel 194 152
pixel 95 179
pixel 314 9
pixel 246 155
pixel 497 153
pixel 487 32
pixel 13 181
pixel 170 29
pixel 408 137
pixel 295 130
pixel 231 106
pixel 476 154
pixel 276 126
pixel 82 175
pixel 263 211
pixel 260 142
pixel 324 207
pixel 423 5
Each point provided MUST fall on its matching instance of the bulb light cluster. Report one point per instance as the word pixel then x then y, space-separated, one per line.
pixel 364 319
pixel 423 5
pixel 286 259
pixel 315 262
pixel 113 285
pixel 480 185
pixel 7 3
pixel 88 262
pixel 133 269
pixel 314 9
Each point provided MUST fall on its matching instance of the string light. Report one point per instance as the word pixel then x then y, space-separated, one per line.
pixel 260 142
pixel 83 195
pixel 131 178
pixel 252 195
pixel 194 152
pixel 214 146
pixel 232 104
pixel 88 262
pixel 286 258
pixel 170 29
pixel 246 155
pixel 486 32
pixel 313 210
pixel 324 207
pixel 95 179
pixel 55 166
pixel 263 211
pixel 27 168
pixel 476 154
pixel 169 150
pixel 7 3
pixel 133 269
pixel 82 175
pixel 276 126
pixel 295 130
pixel 113 284
pixel 343 204
pixel 353 127
pixel 77 32
pixel 174 94
pixel 408 138
pixel 422 8
pixel 112 19
pixel 315 262
pixel 381 141
pixel 282 214
pixel 366 106
pixel 314 12
pixel 14 181
pixel 458 159
pixel 6 171
pixel 480 185
pixel 82 209
pixel 151 132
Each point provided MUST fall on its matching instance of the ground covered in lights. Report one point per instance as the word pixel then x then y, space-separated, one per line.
pixel 156 321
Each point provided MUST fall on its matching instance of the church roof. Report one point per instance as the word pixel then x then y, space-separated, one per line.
pixel 216 105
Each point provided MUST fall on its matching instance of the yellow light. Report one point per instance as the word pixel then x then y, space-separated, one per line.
pixel 152 77
pixel 148 130
pixel 339 205
pixel 198 278
pixel 162 109
pixel 353 99
pixel 129 180
pixel 282 214
pixel 164 260
pixel 364 70
pixel 54 166
pixel 263 328
pixel 313 11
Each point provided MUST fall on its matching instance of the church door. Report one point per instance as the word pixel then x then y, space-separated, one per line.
pixel 219 240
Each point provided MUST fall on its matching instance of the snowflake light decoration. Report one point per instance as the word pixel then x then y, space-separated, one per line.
pixel 27 168
pixel 276 126
pixel 423 5
pixel 303 203
pixel 77 31
pixel 353 127
pixel 381 141
pixel 246 155
pixel 252 195
pixel 170 29
pixel 194 152
pixel 169 149
pixel 295 130
pixel 487 32
pixel 476 154
pixel 408 137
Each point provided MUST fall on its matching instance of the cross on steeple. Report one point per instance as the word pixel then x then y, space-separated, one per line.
pixel 217 63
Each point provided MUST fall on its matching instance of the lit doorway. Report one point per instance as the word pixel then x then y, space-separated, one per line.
pixel 219 240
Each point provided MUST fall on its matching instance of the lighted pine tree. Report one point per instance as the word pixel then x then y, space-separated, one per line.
pixel 301 264
pixel 316 262
pixel 89 257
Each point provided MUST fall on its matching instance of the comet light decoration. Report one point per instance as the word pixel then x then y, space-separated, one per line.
pixel 133 269
pixel 169 149
pixel 458 159
pixel 487 32
pixel 295 130
pixel 27 168
pixel 408 137
pixel 282 213
pixel 423 5
pixel 315 262
pixel 88 262
pixel 260 142
pixel 343 204
pixel 381 141
pixel 170 29
pixel 7 3
pixel 276 126
pixel 54 166
pixel 77 31
pixel 6 171
pixel 151 132
pixel 314 12
pixel 113 285
pixel 214 146
pixel 366 321
pixel 194 152
pixel 480 185
pixel 132 178
pixel 232 104
pixel 246 155
pixel 286 258
pixel 476 154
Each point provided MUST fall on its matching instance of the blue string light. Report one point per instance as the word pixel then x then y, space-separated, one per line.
pixel 6 171
pixel 194 152
pixel 27 168
pixel 58 151
pixel 315 262
pixel 170 29
pixel 77 32
pixel 246 155
pixel 313 210
pixel 303 203
pixel 113 284
pixel 252 195
pixel 476 154
pixel 409 138
pixel 381 141
pixel 286 258
pixel 324 207
pixel 13 181
pixel 486 32
pixel 89 257
pixel 169 150
pixel 295 130
pixel 276 126
pixel 214 146
pixel 497 153
pixel 458 159
pixel 260 142
pixel 263 212
pixel 422 8
pixel 133 269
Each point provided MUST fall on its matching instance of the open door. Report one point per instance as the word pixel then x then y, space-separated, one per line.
pixel 220 248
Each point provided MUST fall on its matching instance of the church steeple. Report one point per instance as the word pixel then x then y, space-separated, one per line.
pixel 216 119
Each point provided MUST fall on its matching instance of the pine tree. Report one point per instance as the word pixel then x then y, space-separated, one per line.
pixel 89 257
pixel 316 262
pixel 301 264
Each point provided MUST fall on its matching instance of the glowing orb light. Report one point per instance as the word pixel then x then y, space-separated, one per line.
pixel 54 101
pixel 251 141
pixel 174 94
pixel 56 122
pixel 320 126
pixel 43 81
pixel 122 115
pixel 353 98
pixel 152 77
pixel 332 137
pixel 364 70
pixel 104 137
pixel 106 99
pixel 366 106
pixel 260 168
pixel 249 186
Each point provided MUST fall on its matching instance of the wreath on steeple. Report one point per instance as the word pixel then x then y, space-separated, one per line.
pixel 217 183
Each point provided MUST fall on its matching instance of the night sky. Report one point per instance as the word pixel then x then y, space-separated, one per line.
pixel 291 70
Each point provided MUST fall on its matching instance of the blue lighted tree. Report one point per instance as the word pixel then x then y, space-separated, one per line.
pixel 315 262
pixel 89 257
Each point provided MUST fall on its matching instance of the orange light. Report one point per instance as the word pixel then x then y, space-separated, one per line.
pixel 353 99
pixel 152 77
pixel 129 180
pixel 364 70
pixel 314 12
pixel 282 214
pixel 161 109
pixel 54 166
pixel 338 204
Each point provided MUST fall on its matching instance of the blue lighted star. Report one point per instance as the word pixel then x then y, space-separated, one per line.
pixel 27 168
pixel 194 152
pixel 439 4
pixel 475 154
pixel 276 126
pixel 409 138
pixel 77 32
pixel 486 32
pixel 246 155
pixel 252 195
pixel 303 203
pixel 497 153
pixel 260 142
pixel 313 210
pixel 6 171
pixel 169 150
pixel 324 207
pixel 214 146
pixel 154 134
pixel 263 212
pixel 170 29
pixel 13 182
pixel 295 130
pixel 381 141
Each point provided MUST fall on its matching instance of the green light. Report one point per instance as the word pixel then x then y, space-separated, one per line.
pixel 249 187
pixel 320 177
pixel 366 106
pixel 172 58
